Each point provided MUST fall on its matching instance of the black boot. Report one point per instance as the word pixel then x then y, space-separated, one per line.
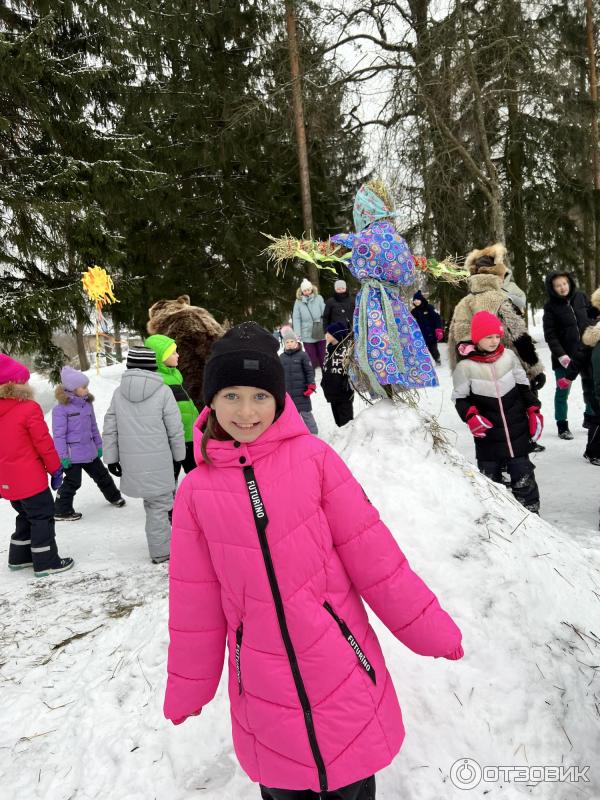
pixel 563 429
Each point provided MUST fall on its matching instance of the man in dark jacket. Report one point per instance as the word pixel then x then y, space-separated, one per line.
pixel 566 315
pixel 335 384
pixel 340 307
pixel 430 323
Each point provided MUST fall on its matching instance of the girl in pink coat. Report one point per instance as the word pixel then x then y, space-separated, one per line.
pixel 274 544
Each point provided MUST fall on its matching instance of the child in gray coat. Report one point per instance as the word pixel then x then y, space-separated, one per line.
pixel 143 436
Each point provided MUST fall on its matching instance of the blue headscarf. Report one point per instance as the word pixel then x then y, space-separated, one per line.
pixel 368 208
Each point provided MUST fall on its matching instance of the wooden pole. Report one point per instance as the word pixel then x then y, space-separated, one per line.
pixel 298 106
pixel 594 132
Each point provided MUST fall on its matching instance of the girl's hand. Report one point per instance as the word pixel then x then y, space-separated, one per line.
pixel 183 719
pixel 455 654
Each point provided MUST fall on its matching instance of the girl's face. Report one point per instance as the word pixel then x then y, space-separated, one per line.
pixel 291 344
pixel 244 412
pixel 172 360
pixel 416 302
pixel 489 343
pixel 81 391
pixel 330 339
pixel 307 292
pixel 561 285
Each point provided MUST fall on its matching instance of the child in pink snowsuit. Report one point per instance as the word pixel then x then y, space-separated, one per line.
pixel 274 544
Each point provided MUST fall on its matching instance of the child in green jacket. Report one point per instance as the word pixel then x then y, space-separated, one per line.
pixel 167 359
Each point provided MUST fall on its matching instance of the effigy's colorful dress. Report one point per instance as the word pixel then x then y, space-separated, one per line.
pixel 389 346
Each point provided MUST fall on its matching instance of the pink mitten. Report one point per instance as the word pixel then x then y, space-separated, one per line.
pixel 439 334
pixel 563 383
pixel 564 361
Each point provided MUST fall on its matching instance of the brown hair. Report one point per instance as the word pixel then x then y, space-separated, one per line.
pixel 212 430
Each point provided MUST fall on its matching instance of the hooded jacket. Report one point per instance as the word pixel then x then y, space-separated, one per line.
pixel 299 374
pixel 427 318
pixel 144 433
pixel 339 308
pixel 306 311
pixel 74 428
pixel 486 294
pixel 173 378
pixel 496 385
pixel 565 318
pixel 312 704
pixel 27 452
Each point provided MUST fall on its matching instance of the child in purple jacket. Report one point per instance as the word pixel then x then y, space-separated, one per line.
pixel 79 444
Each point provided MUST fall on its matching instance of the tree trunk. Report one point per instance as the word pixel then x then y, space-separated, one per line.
pixel 84 363
pixel 307 218
pixel 118 346
pixel 594 134
pixel 515 158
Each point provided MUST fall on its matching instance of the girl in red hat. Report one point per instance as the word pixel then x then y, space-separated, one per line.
pixel 493 396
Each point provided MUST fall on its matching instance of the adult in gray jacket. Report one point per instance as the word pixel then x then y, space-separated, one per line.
pixel 143 436
pixel 307 321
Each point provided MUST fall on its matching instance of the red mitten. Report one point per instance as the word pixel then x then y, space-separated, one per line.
pixel 478 425
pixel 183 719
pixel 439 334
pixel 536 423
pixel 563 383
pixel 455 654
pixel 312 387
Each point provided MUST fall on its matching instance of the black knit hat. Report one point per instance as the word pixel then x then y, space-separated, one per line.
pixel 141 358
pixel 245 356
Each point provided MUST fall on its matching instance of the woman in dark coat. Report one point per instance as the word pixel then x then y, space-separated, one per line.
pixel 430 323
pixel 566 315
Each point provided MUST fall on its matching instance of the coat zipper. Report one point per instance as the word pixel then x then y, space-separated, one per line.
pixel 362 659
pixel 261 521
pixel 238 647
pixel 508 441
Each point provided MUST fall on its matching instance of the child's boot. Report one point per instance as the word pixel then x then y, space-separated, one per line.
pixel 59 565
pixel 563 429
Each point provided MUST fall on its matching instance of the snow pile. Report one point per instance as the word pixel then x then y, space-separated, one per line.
pixel 82 656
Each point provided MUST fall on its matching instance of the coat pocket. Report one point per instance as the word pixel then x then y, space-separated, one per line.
pixel 346 632
pixel 238 654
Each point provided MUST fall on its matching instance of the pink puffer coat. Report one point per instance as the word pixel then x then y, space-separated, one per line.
pixel 312 703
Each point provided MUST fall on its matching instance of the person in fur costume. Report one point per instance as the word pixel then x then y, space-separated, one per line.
pixel 195 330
pixel 488 271
pixel 493 396
pixel 79 444
pixel 586 363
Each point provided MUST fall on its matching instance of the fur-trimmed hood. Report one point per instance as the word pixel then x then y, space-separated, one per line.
pixel 591 335
pixel 595 299
pixel 484 282
pixel 16 391
pixel 299 294
pixel 64 397
pixel 179 317
pixel 497 252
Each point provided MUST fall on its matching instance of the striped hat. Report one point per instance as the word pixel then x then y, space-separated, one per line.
pixel 141 358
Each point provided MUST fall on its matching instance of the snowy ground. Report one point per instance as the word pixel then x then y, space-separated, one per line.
pixel 82 656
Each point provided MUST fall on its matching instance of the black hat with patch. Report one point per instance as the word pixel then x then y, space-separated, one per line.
pixel 246 356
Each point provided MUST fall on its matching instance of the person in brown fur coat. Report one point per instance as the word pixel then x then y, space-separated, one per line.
pixel 194 329
pixel 488 272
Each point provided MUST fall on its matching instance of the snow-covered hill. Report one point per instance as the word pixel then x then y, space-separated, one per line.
pixel 82 655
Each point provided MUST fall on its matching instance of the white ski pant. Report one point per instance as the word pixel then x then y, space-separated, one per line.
pixel 158 527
